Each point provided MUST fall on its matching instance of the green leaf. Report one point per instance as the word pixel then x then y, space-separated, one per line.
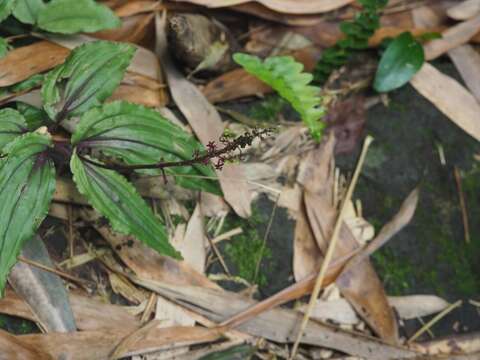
pixel 27 183
pixel 3 47
pixel 138 135
pixel 27 10
pixel 12 125
pixel 6 8
pixel 89 76
pixel 402 59
pixel 34 117
pixel 285 76
pixel 27 84
pixel 69 17
pixel 116 199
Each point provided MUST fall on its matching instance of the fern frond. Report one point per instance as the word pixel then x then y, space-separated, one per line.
pixel 285 76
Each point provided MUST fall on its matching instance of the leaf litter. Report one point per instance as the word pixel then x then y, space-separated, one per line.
pixel 172 308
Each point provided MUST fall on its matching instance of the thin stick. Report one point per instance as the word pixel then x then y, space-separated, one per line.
pixel 82 282
pixel 227 235
pixel 432 322
pixel 463 206
pixel 219 256
pixel 71 239
pixel 265 237
pixel 331 247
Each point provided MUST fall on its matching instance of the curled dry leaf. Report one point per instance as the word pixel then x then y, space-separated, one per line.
pixel 205 122
pixel 449 97
pixel 282 6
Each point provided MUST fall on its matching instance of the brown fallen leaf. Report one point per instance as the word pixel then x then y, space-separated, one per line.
pixel 263 12
pixel 137 7
pixel 362 287
pixel 305 286
pixel 467 62
pixel 138 95
pixel 23 62
pixel 90 313
pixel 79 345
pixel 449 97
pixel 279 325
pixel 12 347
pixel 154 337
pixel 282 6
pixel 146 262
pixel 206 123
pixel 407 307
pixel 193 245
pixel 452 37
pixel 135 29
pixel 465 10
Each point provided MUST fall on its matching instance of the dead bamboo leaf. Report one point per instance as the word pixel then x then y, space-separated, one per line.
pixel 90 313
pixel 467 62
pixel 282 6
pixel 205 121
pixel 135 29
pixel 146 262
pixel 43 291
pixel 155 337
pixel 137 7
pixel 465 10
pixel 452 37
pixel 12 347
pixel 193 243
pixel 407 307
pixel 21 63
pixel 449 97
pixel 138 95
pixel 363 289
pixel 79 345
pixel 279 325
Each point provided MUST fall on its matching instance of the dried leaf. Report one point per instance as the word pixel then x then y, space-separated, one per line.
pixel 449 97
pixel 23 62
pixel 13 347
pixel 43 291
pixel 154 337
pixel 282 6
pixel 465 10
pixel 206 123
pixel 193 243
pixel 362 288
pixel 90 313
pixel 452 37
pixel 279 325
pixel 467 62
pixel 147 263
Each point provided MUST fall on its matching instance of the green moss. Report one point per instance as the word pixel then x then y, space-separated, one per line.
pixel 396 273
pixel 246 249
pixel 268 109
